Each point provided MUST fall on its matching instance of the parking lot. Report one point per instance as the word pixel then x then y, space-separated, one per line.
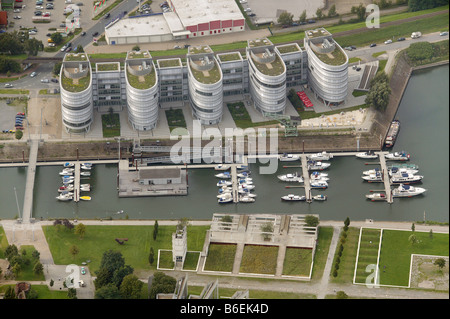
pixel 9 109
pixel 58 21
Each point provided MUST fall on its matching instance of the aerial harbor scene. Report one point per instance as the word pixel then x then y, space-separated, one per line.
pixel 224 149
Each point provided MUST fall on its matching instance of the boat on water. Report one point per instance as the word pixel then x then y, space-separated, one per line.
pixel 67 193
pixel 320 197
pixel 376 197
pixel 225 200
pixel 68 181
pixel 318 184
pixel 317 165
pixel 225 191
pixel 65 188
pixel 85 173
pixel 64 198
pixel 407 191
pixel 224 175
pixel 68 164
pixel 291 178
pixel 225 195
pixel 245 181
pixel 393 131
pixel 85 197
pixel 244 191
pixel 248 186
pixel 224 183
pixel 397 156
pixel 367 155
pixel 242 167
pixel 404 165
pixel 243 175
pixel 324 156
pixel 289 157
pixel 85 185
pixel 85 167
pixel 372 171
pixel 405 178
pixel 222 167
pixel 316 176
pixel 246 199
pixel 373 178
pixel 395 170
pixel 85 189
pixel 66 173
pixel 292 197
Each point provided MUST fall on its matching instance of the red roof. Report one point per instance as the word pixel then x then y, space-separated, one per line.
pixel 3 18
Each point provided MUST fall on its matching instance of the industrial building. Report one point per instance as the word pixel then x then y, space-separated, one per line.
pixel 187 19
pixel 205 80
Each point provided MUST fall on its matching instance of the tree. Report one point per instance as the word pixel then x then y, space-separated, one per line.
pixel 36 255
pixel 16 269
pixel 416 5
pixel 112 269
pixel 267 230
pixel 440 262
pixel 121 273
pixel 131 287
pixel 33 46
pixel 341 295
pixel 311 221
pixel 360 12
pixel 161 284
pixel 136 48
pixel 303 16
pixel 57 68
pixel 11 251
pixel 319 13
pixel 80 230
pixel 52 282
pixel 9 65
pixel 286 18
pixel 10 43
pixel 151 256
pixel 104 278
pixel 56 38
pixel 74 250
pixel 72 293
pixel 412 239
pixel 38 269
pixel 347 222
pixel 155 230
pixel 430 234
pixel 413 227
pixel 378 95
pixel 109 291
pixel 79 49
pixel 420 51
pixel 332 12
pixel 19 134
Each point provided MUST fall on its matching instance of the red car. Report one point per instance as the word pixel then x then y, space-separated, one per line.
pixel 20 113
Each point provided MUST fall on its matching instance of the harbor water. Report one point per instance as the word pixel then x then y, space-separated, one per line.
pixel 424 134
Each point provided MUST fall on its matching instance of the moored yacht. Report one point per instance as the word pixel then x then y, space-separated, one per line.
pixel 376 197
pixel 289 157
pixel 396 170
pixel 324 156
pixel 317 166
pixel 407 191
pixel 224 175
pixel 367 155
pixel 398 156
pixel 222 167
pixel 405 178
pixel 319 184
pixel 292 197
pixel 291 178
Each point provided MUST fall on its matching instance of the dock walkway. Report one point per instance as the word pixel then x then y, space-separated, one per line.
pixel 306 181
pixel 386 180
pixel 29 186
pixel 76 184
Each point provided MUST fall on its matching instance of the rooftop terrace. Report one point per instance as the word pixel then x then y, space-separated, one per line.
pixel 210 76
pixel 288 48
pixel 258 43
pixel 272 68
pixel 169 63
pixel 75 85
pixel 142 82
pixel 336 57
pixel 69 57
pixel 227 57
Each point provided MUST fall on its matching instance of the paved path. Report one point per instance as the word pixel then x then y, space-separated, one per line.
pixel 323 287
pixel 29 186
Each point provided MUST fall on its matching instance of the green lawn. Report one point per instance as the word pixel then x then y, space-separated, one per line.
pixel 166 259
pixel 347 264
pixel 3 242
pixel 226 293
pixel 175 118
pixel 43 292
pixel 111 125
pixel 191 260
pixel 377 54
pixel 297 262
pixel 220 257
pixel 259 259
pixel 241 117
pixel 368 253
pixel 396 252
pixel 99 239
pixel 321 254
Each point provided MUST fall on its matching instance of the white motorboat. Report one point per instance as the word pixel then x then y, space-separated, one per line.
pixel 241 167
pixel 85 189
pixel 225 195
pixel 292 197
pixel 376 197
pixel 87 164
pixel 319 184
pixel 397 156
pixel 244 191
pixel 317 166
pixel 289 157
pixel 320 197
pixel 225 191
pixel 247 186
pixel 405 178
pixel 69 164
pixel 244 181
pixel 246 199
pixel 64 197
pixel 247 179
pixel 224 175
pixel 222 167
pixel 395 170
pixel 295 178
pixel 85 185
pixel 86 167
pixel 225 200
pixel 316 176
pixel 66 193
pixel 372 171
pixel 68 177
pixel 85 173
pixel 367 155
pixel 243 175
pixel 64 173
pixel 407 191
pixel 224 183
pixel 373 178
pixel 324 156
pixel 68 181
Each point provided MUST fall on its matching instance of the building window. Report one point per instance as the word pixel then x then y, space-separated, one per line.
pixel 203 33
pixel 195 34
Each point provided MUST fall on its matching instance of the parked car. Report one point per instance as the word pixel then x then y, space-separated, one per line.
pixel 83 33
pixel 107 15
pixel 311 21
pixel 353 47
pixel 8 85
pixel 54 80
pixel 17 17
pixel 401 39
pixel 373 45
pixel 443 33
pixel 69 49
pixel 83 271
pixel 388 41
pixel 52 45
pixel 44 81
pixel 94 34
pixel 177 47
pixel 64 48
pixel 295 24
pixel 253 15
pixel 33 74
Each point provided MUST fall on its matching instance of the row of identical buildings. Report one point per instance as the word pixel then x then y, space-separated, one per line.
pixel 142 85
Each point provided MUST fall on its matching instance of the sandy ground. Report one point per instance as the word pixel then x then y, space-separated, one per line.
pixel 51 115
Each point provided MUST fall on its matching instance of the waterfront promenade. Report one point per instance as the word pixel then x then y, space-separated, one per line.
pixel 29 187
